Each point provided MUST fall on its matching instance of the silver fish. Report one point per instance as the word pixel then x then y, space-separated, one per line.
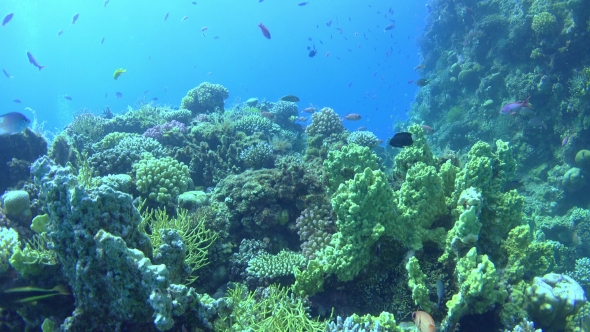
pixel 13 123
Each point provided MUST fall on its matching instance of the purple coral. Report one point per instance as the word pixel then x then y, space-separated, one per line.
pixel 157 132
pixel 315 229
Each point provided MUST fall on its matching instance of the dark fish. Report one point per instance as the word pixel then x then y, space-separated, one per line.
pixel 33 61
pixel 264 30
pixel 118 95
pixel 537 121
pixel 155 99
pixel 389 27
pixel 303 3
pixel 13 123
pixel 512 185
pixel 102 41
pixel 166 16
pixel 312 53
pixel 290 98
pixel 75 18
pixel 68 97
pixel 6 73
pixel 401 140
pixel 422 82
pixel 29 294
pixel 440 291
pixel 7 19
pixel 17 101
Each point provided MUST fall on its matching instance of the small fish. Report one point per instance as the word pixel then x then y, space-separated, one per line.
pixel 60 32
pixel 422 82
pixel 361 128
pixel 264 30
pixel 440 291
pixel 13 123
pixel 410 81
pixel 68 97
pixel 302 119
pixel 349 84
pixel 33 61
pixel 389 27
pixel 106 2
pixel 203 29
pixel 6 74
pixel 565 141
pixel 194 3
pixel 17 101
pixel 428 130
pixel 75 18
pixel 118 95
pixel 303 3
pixel 291 98
pixel 420 66
pixel 7 19
pixel 352 117
pixel 515 107
pixel 401 140
pixel 166 17
pixel 312 53
pixel 184 18
pixel 329 23
pixel 155 99
pixel 423 321
pixel 512 185
pixel 102 41
pixel 327 54
pixel 537 121
pixel 216 37
pixel 29 294
pixel 119 72
pixel 309 110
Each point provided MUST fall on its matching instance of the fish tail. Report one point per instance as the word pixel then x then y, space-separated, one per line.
pixel 526 104
pixel 61 290
pixel 40 67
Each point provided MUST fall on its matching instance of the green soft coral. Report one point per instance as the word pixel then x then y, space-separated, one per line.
pixel 419 151
pixel 421 201
pixel 417 283
pixel 365 209
pixel 524 254
pixel 342 165
pixel 477 279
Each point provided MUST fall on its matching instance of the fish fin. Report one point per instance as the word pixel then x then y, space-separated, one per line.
pixel 41 67
pixel 526 104
pixel 61 289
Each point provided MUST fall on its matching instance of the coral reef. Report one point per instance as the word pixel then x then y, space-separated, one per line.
pixel 205 98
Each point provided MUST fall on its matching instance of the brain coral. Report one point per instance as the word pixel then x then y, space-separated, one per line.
pixel 161 179
pixel 325 122
pixel 205 98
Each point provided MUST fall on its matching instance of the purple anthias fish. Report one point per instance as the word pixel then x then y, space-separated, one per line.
pixel 33 61
pixel 516 106
pixel 13 123
pixel 75 18
pixel 7 19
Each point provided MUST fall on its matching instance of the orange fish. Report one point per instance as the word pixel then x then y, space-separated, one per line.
pixel 423 321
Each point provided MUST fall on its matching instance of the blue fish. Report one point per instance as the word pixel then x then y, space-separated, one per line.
pixel 33 61
pixel 7 19
pixel 13 123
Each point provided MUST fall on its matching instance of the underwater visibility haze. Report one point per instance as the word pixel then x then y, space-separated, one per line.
pixel 270 165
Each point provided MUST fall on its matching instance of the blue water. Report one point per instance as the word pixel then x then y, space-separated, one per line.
pixel 164 59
